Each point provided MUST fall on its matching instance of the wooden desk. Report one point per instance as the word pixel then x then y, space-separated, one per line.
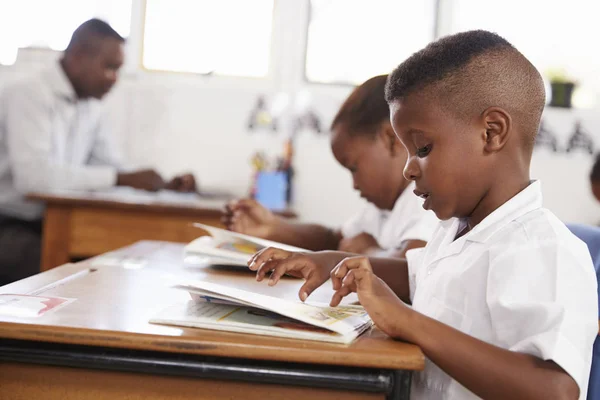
pixel 79 225
pixel 102 347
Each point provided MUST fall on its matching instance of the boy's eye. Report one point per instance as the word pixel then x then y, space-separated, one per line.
pixel 423 151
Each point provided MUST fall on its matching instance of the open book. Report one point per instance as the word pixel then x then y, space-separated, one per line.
pixel 230 248
pixel 225 308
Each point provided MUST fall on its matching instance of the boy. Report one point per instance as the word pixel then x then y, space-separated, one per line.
pixel 503 296
pixel 364 142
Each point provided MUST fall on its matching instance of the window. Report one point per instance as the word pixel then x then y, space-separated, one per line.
pixel 553 35
pixel 50 24
pixel 226 37
pixel 350 41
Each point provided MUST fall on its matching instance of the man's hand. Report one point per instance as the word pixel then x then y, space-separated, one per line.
pixel 183 183
pixel 147 179
pixel 247 216
pixel 362 243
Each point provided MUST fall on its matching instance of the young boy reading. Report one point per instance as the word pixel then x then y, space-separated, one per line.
pixel 503 296
pixel 363 141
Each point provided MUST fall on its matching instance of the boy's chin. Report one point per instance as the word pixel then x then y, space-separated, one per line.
pixel 442 215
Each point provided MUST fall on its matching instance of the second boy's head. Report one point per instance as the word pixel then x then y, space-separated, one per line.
pixel 363 141
pixel 467 108
pixel 595 178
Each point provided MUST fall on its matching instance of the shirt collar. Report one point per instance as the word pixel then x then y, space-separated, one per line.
pixel 527 200
pixel 60 83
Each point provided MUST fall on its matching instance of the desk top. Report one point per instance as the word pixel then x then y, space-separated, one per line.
pixel 125 198
pixel 118 292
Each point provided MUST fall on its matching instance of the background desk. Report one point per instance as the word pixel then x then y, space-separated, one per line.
pixel 102 347
pixel 79 225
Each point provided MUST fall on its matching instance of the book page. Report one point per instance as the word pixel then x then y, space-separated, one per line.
pixel 342 319
pixel 248 244
pixel 220 316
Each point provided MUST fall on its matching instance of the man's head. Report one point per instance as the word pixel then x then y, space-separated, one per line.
pixel 363 141
pixel 93 58
pixel 467 108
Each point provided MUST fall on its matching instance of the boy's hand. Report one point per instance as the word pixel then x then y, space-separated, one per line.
pixel 182 183
pixel 247 216
pixel 359 244
pixel 313 267
pixel 388 312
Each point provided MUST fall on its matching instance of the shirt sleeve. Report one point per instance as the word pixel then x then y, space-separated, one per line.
pixel 542 302
pixel 419 227
pixel 105 151
pixel 28 125
pixel 364 221
pixel 414 260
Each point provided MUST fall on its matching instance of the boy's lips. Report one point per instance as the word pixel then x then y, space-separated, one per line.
pixel 425 196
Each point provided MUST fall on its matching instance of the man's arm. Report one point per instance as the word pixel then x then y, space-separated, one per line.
pixel 105 150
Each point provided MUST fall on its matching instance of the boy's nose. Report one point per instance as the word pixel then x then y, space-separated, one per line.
pixel 411 169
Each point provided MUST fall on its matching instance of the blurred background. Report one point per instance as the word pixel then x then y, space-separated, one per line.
pixel 208 84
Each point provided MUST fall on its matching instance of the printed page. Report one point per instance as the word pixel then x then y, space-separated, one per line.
pixel 220 316
pixel 253 243
pixel 341 319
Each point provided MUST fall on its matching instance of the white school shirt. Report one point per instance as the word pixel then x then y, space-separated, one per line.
pixel 519 280
pixel 49 140
pixel 408 220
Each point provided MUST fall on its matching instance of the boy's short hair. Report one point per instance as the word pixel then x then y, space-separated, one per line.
pixel 471 71
pixel 365 109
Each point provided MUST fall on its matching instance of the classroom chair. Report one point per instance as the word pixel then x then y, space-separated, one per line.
pixel 591 236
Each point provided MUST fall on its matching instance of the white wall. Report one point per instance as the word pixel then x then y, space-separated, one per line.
pixel 180 122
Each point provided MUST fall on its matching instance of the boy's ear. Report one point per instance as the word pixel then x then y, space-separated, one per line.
pixel 389 138
pixel 498 125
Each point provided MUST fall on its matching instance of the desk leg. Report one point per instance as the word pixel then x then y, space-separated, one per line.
pixel 56 237
pixel 401 387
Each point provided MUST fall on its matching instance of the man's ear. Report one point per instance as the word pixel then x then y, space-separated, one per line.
pixel 498 124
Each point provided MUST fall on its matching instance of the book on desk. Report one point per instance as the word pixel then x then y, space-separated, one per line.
pixel 220 307
pixel 223 247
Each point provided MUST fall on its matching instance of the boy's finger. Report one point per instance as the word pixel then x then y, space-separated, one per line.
pixel 265 268
pixel 309 286
pixel 267 254
pixel 279 269
pixel 335 281
pixel 337 297
pixel 348 279
pixel 338 273
pixel 360 262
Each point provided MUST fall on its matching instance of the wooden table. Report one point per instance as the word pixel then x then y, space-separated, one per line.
pixel 102 347
pixel 80 225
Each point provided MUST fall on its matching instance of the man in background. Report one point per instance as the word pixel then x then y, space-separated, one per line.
pixel 51 138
